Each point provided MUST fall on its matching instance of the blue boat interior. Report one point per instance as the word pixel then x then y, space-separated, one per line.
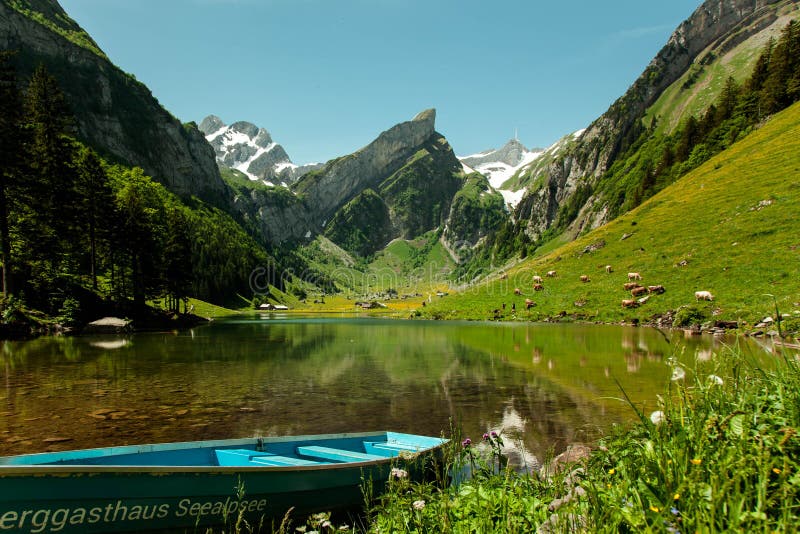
pixel 270 452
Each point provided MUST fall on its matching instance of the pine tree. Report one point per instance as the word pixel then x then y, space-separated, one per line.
pixel 11 158
pixel 178 258
pixel 95 203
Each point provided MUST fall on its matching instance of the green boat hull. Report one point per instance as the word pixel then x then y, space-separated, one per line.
pixel 135 498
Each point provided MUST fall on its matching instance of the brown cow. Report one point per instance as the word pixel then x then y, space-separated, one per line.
pixel 630 285
pixel 584 278
pixel 529 304
pixel 637 291
pixel 517 291
pixel 538 287
pixel 656 289
pixel 629 303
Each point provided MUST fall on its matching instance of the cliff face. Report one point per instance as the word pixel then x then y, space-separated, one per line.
pixel 570 178
pixel 114 113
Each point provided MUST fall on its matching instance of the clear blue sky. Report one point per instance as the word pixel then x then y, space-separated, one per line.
pixel 326 76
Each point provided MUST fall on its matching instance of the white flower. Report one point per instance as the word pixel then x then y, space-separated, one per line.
pixel 715 380
pixel 678 373
pixel 657 417
pixel 398 473
pixel 419 505
pixel 326 524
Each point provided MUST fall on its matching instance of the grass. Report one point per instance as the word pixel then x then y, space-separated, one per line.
pixel 731 222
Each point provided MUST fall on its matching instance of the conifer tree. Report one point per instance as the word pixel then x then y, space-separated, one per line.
pixel 11 158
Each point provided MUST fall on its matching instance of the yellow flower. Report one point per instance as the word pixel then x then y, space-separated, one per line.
pixel 697 461
pixel 611 471
pixel 776 470
pixel 654 509
pixel 676 496
pixel 608 486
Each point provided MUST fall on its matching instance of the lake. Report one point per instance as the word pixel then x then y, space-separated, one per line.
pixel 543 385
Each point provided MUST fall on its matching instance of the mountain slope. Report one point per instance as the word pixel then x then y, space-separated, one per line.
pixel 569 180
pixel 728 227
pixel 114 113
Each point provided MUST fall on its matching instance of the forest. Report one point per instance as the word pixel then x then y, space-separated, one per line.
pixel 82 236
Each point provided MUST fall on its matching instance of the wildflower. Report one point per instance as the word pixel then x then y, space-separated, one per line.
pixel 657 417
pixel 654 508
pixel 398 473
pixel 326 524
pixel 776 470
pixel 494 434
pixel 674 511
pixel 344 527
pixel 697 461
pixel 466 443
pixel 608 486
pixel 486 437
pixel 676 496
pixel 419 505
pixel 715 380
pixel 678 373
pixel 611 471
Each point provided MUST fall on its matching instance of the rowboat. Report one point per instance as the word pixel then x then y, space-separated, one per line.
pixel 201 483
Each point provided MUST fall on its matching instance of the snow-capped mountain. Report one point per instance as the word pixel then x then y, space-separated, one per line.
pixel 499 165
pixel 251 150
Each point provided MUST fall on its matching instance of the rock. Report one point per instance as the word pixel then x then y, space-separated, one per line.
pixel 577 452
pixel 56 440
pixel 108 325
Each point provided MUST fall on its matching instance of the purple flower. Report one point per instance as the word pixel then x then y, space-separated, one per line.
pixel 466 443
pixel 494 434
pixel 486 437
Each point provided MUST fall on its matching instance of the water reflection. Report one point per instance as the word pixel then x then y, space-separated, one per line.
pixel 543 386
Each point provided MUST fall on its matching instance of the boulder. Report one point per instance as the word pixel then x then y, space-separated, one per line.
pixel 108 325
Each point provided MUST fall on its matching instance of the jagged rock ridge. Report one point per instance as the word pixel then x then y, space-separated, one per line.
pixel 245 147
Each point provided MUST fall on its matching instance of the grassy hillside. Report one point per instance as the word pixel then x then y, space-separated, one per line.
pixel 700 86
pixel 731 222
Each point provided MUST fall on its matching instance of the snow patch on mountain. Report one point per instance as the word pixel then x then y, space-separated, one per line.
pixel 249 149
pixel 498 165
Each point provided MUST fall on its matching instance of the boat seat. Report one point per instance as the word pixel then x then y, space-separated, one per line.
pixel 389 449
pixel 249 457
pixel 336 455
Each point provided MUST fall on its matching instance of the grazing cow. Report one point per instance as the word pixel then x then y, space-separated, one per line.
pixel 630 285
pixel 529 304
pixel 656 289
pixel 609 269
pixel 517 291
pixel 538 287
pixel 537 279
pixel 637 291
pixel 703 295
pixel 551 274
pixel 629 303
pixel 503 276
pixel 584 278
pixel 634 276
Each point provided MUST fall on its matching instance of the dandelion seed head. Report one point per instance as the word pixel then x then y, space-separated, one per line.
pixel 657 417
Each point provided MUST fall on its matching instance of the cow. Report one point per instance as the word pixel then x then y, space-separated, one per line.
pixel 634 276
pixel 517 291
pixel 538 287
pixel 584 278
pixel 551 274
pixel 630 285
pixel 609 269
pixel 529 304
pixel 629 303
pixel 537 279
pixel 703 295
pixel 656 289
pixel 637 291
